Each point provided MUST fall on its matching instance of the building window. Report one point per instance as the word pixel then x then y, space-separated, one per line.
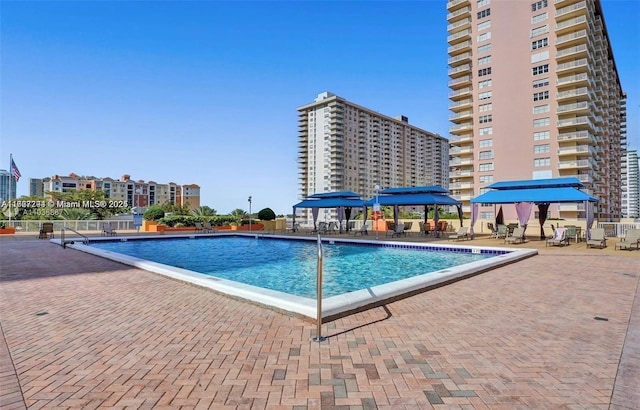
pixel 538 31
pixel 541 149
pixel 541 122
pixel 484 60
pixel 482 3
pixel 485 179
pixel 538 18
pixel 485 48
pixel 541 83
pixel 542 56
pixel 540 43
pixel 544 95
pixel 484 25
pixel 542 162
pixel 486 215
pixel 484 13
pixel 485 167
pixel 541 109
pixel 541 135
pixel 484 36
pixel 485 96
pixel 484 83
pixel 485 155
pixel 486 131
pixel 484 71
pixel 485 107
pixel 541 69
pixel 538 5
pixel 486 143
pixel 485 119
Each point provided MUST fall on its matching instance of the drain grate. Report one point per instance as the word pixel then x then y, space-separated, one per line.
pixel 601 318
pixel 42 313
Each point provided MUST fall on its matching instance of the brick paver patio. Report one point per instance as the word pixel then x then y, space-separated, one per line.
pixel 559 330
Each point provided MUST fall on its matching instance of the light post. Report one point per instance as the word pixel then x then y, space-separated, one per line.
pixel 136 203
pixel 376 209
pixel 249 213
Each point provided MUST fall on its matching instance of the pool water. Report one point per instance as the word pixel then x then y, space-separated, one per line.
pixel 290 266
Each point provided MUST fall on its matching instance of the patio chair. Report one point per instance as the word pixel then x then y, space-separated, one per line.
pixel 571 233
pixel 559 238
pixel 461 234
pixel 494 230
pixel 399 230
pixel 45 230
pixel 364 229
pixel 391 228
pixel 597 238
pixel 209 228
pixel 517 236
pixel 107 230
pixel 631 239
pixel 424 228
pixel 407 227
pixel 502 231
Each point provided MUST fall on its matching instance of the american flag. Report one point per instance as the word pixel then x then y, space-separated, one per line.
pixel 15 171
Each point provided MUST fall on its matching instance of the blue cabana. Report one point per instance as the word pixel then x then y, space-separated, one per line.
pixel 541 192
pixel 343 201
pixel 432 195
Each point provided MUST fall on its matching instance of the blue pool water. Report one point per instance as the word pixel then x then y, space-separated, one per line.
pixel 290 266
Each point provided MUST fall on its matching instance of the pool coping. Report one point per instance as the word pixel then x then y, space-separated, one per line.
pixel 332 307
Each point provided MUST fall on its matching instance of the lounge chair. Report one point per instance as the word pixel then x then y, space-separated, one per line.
pixel 399 230
pixel 199 227
pixel 502 231
pixel 494 230
pixel 45 230
pixel 631 239
pixel 391 228
pixel 364 230
pixel 107 230
pixel 597 238
pixel 517 236
pixel 209 228
pixel 559 238
pixel 461 234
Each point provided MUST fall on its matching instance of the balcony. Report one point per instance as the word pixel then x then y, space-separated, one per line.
pixel 457 105
pixel 460 82
pixel 459 48
pixel 461 174
pixel 457 94
pixel 459 25
pixel 456 4
pixel 461 139
pixel 580 65
pixel 460 36
pixel 578 79
pixel 459 14
pixel 463 115
pixel 577 108
pixel 573 24
pixel 460 151
pixel 572 10
pixel 575 122
pixel 461 128
pixel 461 185
pixel 576 93
pixel 459 59
pixel 578 51
pixel 580 163
pixel 575 150
pixel 572 39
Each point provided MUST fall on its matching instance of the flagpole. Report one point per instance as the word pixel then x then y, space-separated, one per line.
pixel 11 177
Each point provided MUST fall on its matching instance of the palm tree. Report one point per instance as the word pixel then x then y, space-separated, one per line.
pixel 204 211
pixel 238 215
pixel 79 214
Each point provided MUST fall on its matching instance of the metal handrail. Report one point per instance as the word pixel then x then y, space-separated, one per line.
pixel 63 242
pixel 319 337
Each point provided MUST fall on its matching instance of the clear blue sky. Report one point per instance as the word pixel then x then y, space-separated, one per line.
pixel 206 92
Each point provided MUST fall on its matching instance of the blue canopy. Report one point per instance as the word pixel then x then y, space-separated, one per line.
pixel 570 182
pixel 419 195
pixel 331 200
pixel 540 191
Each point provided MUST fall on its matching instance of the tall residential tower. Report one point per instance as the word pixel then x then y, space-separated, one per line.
pixel 534 93
pixel 345 147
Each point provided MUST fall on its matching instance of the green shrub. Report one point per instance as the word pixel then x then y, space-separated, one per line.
pixel 266 214
pixel 154 213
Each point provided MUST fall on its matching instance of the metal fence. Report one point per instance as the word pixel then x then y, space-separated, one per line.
pixel 78 225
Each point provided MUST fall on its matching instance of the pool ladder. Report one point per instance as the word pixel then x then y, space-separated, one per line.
pixel 319 337
pixel 64 242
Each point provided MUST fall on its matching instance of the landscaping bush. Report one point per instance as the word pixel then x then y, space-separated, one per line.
pixel 154 213
pixel 266 214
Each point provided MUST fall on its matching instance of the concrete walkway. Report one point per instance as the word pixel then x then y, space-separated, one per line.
pixel 559 330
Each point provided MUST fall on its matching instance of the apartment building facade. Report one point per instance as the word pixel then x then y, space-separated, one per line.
pixel 140 194
pixel 631 185
pixel 534 93
pixel 346 147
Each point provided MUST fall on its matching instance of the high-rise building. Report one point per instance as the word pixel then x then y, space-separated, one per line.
pixel 534 94
pixel 7 185
pixel 630 185
pixel 346 147
pixel 140 194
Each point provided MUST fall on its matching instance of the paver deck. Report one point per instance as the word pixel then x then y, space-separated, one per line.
pixel 559 330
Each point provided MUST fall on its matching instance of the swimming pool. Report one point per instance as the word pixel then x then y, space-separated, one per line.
pixel 291 266
pixel 227 269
